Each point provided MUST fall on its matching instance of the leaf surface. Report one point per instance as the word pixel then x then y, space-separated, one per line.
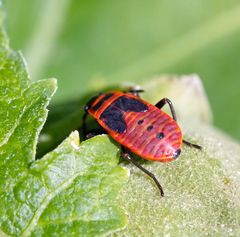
pixel 71 191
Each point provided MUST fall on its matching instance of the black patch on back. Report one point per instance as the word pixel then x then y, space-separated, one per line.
pixel 140 121
pixel 99 104
pixel 113 116
pixel 130 104
pixel 114 119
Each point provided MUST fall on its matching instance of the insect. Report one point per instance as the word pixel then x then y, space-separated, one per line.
pixel 140 127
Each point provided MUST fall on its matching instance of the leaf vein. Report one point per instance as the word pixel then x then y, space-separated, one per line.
pixel 44 204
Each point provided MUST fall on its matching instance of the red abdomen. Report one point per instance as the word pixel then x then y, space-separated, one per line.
pixel 138 125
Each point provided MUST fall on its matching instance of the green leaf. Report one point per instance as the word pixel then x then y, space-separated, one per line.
pixel 72 190
pixel 23 112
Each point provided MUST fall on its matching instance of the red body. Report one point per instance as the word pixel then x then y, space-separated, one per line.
pixel 151 134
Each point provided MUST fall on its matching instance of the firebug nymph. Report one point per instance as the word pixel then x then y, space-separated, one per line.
pixel 140 127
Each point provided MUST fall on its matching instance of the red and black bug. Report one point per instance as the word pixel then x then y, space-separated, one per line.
pixel 140 127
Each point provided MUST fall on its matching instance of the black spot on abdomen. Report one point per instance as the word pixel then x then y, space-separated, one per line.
pixel 99 104
pixel 149 128
pixel 130 104
pixel 160 135
pixel 114 119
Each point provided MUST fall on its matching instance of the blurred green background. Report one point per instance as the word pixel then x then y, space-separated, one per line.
pixel 89 44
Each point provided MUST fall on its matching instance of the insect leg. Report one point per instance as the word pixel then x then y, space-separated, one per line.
pixel 94 132
pixel 164 101
pixel 128 157
pixel 192 145
pixel 160 104
pixel 135 91
pixel 84 124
